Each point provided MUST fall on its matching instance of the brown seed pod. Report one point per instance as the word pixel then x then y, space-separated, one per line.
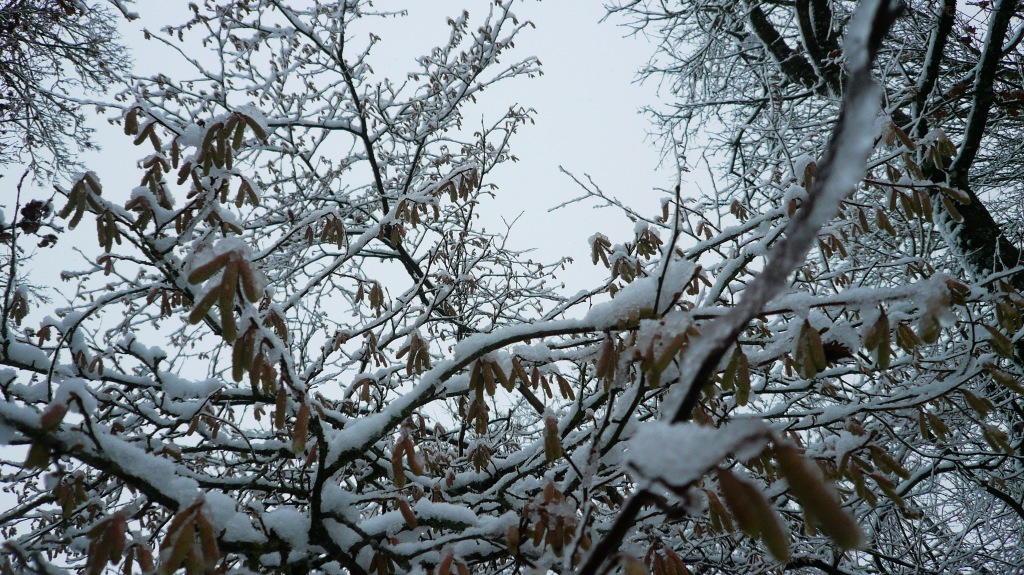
pixel 817 500
pixel 407 514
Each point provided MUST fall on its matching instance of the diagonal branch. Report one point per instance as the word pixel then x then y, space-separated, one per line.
pixel 792 63
pixel 983 93
pixel 841 169
pixel 815 22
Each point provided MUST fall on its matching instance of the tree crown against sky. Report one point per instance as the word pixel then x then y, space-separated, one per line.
pixel 51 51
pixel 282 358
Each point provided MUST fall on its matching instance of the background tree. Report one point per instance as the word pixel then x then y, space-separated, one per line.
pixel 287 359
pixel 761 81
pixel 51 52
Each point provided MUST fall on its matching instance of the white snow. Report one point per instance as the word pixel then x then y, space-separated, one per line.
pixel 79 388
pixel 177 387
pixel 680 454
pixel 639 296
pixel 27 354
pixel 156 471
pixel 289 524
pixel 444 512
pixel 384 524
pixel 223 515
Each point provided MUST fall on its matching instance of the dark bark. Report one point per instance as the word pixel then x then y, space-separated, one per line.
pixel 815 20
pixel 792 63
pixel 979 238
pixel 933 62
pixel 983 92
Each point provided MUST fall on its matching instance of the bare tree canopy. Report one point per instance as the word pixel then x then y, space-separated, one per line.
pixel 51 51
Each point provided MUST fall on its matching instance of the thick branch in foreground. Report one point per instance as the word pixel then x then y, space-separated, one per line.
pixel 842 167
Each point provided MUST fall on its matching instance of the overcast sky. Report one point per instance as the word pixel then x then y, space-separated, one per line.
pixel 587 105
